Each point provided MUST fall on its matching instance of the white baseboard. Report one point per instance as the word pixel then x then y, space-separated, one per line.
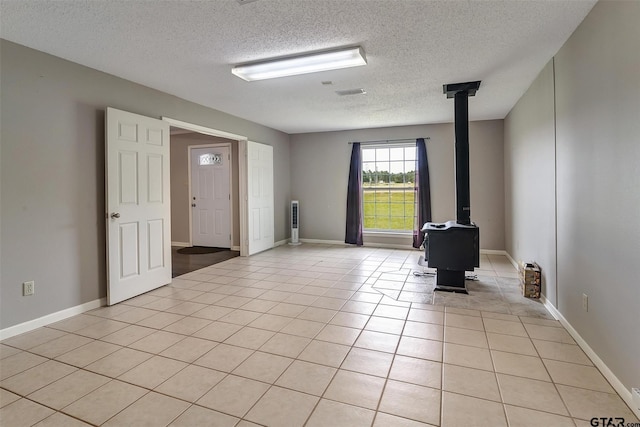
pixel 280 243
pixel 388 246
pixel 610 376
pixel 323 242
pixel 511 260
pixel 235 248
pixel 50 318
pixel 493 252
pixel 368 245
pixel 550 307
pixel 393 246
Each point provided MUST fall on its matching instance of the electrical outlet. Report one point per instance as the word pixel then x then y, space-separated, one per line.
pixel 585 302
pixel 635 392
pixel 28 288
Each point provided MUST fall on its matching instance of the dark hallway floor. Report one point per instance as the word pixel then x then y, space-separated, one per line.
pixel 183 264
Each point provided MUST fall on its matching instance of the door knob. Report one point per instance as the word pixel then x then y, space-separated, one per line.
pixel 115 215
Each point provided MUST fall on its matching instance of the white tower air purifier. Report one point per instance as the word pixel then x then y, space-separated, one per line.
pixel 295 222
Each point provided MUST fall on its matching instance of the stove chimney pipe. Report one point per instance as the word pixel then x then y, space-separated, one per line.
pixel 461 93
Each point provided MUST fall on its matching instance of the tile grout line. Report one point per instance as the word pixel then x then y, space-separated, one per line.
pixel 326 323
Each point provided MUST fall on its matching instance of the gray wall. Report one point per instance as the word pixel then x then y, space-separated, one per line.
pixel 180 202
pixel 597 98
pixel 320 168
pixel 529 144
pixel 52 175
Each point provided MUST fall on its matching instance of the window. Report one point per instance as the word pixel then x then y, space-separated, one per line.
pixel 388 195
pixel 210 159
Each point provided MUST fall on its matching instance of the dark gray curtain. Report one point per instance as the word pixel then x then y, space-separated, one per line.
pixel 422 192
pixel 353 233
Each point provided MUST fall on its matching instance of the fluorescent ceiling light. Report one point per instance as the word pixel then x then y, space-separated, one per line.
pixel 302 64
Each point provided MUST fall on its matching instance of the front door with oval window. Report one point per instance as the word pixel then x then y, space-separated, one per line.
pixel 210 197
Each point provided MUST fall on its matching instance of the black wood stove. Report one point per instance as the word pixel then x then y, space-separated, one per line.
pixel 454 247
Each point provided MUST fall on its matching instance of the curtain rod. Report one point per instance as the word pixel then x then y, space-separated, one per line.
pixel 385 141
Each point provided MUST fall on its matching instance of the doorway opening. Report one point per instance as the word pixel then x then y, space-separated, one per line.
pixel 182 263
pixel 205 214
pixel 254 230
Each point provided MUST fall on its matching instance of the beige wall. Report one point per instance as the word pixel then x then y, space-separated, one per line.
pixel 180 203
pixel 597 131
pixel 52 175
pixel 320 168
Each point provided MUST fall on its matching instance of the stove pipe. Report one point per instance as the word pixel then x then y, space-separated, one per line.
pixel 461 93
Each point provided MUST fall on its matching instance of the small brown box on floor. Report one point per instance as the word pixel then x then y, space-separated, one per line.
pixel 529 273
pixel 530 291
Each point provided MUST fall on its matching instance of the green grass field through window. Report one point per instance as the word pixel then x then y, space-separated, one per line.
pixel 388 208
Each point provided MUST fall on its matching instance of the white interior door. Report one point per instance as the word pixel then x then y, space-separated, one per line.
pixel 138 205
pixel 210 197
pixel 260 197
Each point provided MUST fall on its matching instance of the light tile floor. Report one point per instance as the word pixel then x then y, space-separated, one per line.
pixel 311 335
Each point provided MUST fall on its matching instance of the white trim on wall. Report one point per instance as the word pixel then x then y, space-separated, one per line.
pixel 181 244
pixel 393 246
pixel 51 318
pixel 367 245
pixel 324 242
pixel 388 245
pixel 202 129
pixel 511 260
pixel 243 175
pixel 591 354
pixel 493 252
pixel 281 242
pixel 338 242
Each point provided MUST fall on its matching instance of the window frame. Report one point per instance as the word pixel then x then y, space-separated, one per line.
pixel 408 187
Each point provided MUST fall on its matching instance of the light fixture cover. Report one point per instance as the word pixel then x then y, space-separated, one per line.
pixel 301 64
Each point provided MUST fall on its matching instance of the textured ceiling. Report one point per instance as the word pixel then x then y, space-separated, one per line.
pixel 413 47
